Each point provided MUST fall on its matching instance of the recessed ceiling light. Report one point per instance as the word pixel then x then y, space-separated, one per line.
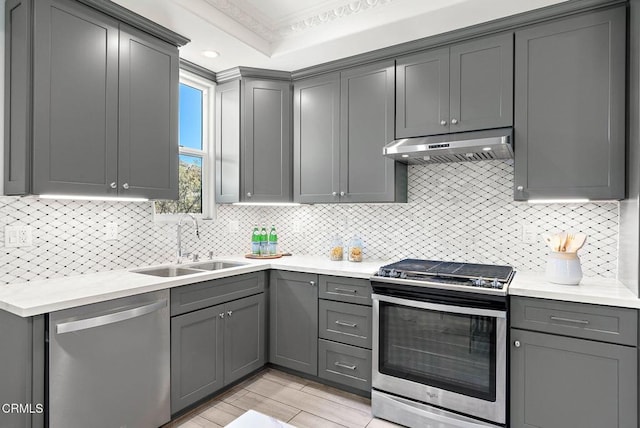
pixel 211 54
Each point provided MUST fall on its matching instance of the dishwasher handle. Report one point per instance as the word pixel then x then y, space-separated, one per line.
pixel 87 323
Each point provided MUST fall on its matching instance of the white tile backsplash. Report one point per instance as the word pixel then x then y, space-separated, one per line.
pixel 457 211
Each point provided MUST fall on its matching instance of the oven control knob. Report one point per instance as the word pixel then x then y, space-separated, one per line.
pixel 479 282
pixel 495 283
pixel 516 343
pixel 403 275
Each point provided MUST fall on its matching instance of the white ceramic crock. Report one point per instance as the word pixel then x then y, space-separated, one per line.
pixel 564 268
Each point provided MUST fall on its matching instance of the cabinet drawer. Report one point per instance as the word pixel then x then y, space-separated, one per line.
pixel 342 289
pixel 208 293
pixel 603 323
pixel 344 364
pixel 345 322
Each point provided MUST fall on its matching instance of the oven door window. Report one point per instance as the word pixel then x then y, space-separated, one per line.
pixel 449 351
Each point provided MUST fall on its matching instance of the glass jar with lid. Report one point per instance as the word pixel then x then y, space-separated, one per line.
pixel 336 253
pixel 356 249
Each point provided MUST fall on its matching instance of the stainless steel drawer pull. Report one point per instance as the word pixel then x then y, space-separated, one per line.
pixel 346 290
pixel 584 322
pixel 346 324
pixel 344 366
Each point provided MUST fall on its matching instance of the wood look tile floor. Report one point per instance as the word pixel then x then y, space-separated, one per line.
pixel 292 399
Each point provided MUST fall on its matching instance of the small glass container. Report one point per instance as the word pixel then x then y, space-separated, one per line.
pixel 336 253
pixel 356 249
pixel 564 268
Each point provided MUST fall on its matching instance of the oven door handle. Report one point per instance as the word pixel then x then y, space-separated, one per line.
pixel 441 307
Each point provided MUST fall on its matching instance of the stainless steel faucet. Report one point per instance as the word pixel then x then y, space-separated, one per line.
pixel 182 253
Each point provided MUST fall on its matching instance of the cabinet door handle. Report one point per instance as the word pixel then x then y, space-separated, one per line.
pixel 443 122
pixel 346 290
pixel 342 193
pixel 346 324
pixel 312 283
pixel 229 313
pixel 520 188
pixel 344 366
pixel 221 315
pixel 334 193
pixel 113 185
pixel 454 121
pixel 248 194
pixel 516 343
pixel 125 186
pixel 583 322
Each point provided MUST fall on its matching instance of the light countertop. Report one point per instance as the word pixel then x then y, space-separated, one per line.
pixel 596 290
pixel 42 296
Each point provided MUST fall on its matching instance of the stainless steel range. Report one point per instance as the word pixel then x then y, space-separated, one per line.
pixel 439 343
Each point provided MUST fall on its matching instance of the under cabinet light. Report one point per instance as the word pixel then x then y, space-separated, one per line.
pixel 267 204
pixel 93 198
pixel 558 201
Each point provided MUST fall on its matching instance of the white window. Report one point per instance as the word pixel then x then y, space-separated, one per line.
pixel 195 170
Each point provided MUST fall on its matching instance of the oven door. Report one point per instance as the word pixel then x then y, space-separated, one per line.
pixel 452 357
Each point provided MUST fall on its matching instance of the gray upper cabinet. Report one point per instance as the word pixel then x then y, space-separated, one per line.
pixel 316 139
pixel 253 141
pixel 367 124
pixel 148 131
pixel 293 321
pixel 467 86
pixel 98 116
pixel 227 142
pixel 341 123
pixel 570 108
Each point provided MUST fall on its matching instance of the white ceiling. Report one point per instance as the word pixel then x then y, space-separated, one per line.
pixel 294 34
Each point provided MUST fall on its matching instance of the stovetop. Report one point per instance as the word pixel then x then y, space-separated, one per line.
pixel 442 273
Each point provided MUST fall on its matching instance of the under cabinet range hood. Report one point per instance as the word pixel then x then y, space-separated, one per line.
pixel 465 146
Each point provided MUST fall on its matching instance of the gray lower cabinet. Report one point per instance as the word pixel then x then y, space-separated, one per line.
pixel 573 365
pixel 570 108
pixel 253 141
pixel 341 123
pixel 196 356
pixel 22 372
pixel 467 86
pixel 91 109
pixel 215 346
pixel 345 331
pixel 566 382
pixel 293 321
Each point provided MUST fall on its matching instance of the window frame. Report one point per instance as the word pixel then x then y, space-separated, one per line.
pixel 207 153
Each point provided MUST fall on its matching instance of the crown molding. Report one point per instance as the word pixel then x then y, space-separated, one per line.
pixel 198 70
pixel 509 23
pixel 137 21
pixel 250 72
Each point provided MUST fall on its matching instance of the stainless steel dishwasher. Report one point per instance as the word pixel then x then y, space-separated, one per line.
pixel 109 364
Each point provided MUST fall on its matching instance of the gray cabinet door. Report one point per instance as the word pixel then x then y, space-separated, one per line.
pixel 75 105
pixel 266 142
pixel 227 142
pixel 422 94
pixel 482 83
pixel 148 132
pixel 196 356
pixel 570 108
pixel 564 382
pixel 293 321
pixel 244 336
pixel 316 139
pixel 366 124
pixel 17 96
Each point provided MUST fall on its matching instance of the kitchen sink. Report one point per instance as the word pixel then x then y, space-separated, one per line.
pixel 215 265
pixel 168 271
